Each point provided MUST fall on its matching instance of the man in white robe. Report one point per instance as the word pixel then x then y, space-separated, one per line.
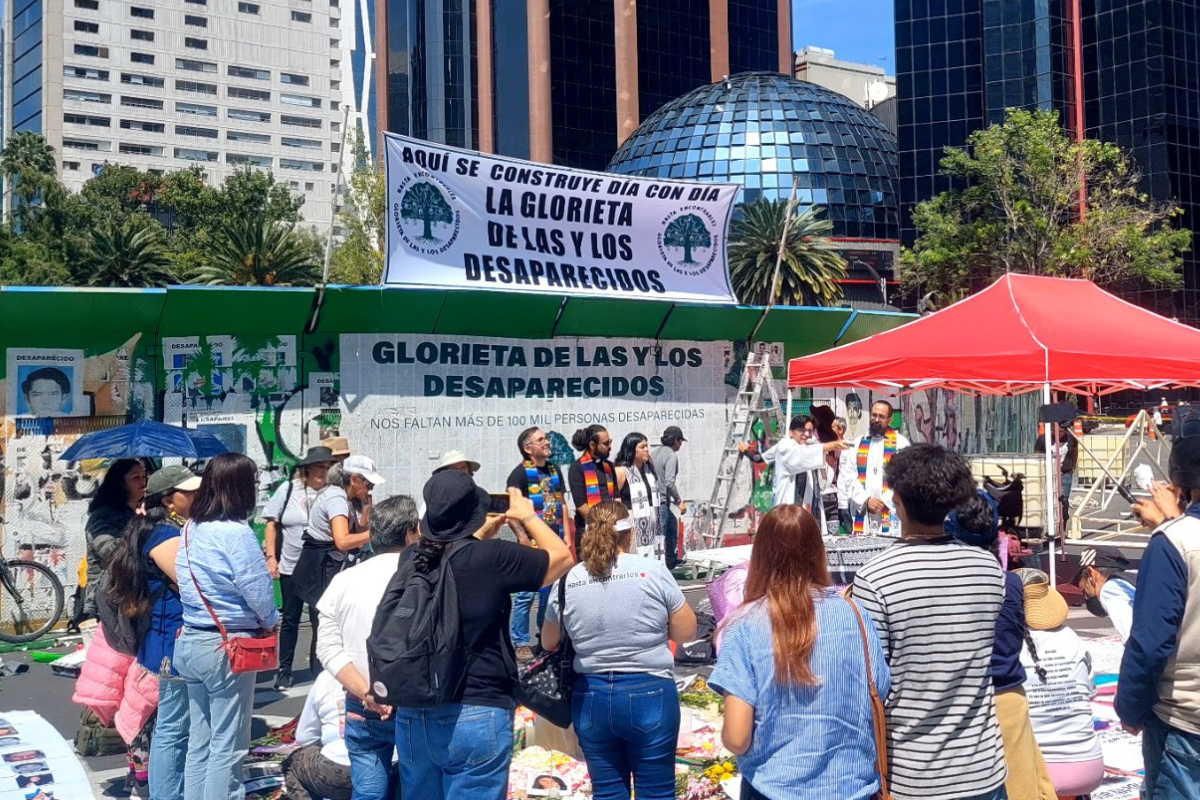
pixel 791 457
pixel 867 494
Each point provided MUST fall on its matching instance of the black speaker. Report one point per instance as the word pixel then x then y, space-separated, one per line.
pixel 1057 413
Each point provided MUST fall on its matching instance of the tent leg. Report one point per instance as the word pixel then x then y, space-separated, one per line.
pixel 1051 512
pixel 788 419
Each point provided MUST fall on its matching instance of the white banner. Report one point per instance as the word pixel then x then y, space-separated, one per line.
pixel 406 399
pixel 465 220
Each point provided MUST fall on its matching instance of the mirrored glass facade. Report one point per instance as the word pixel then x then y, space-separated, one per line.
pixel 760 130
pixel 434 47
pixel 961 63
pixel 26 73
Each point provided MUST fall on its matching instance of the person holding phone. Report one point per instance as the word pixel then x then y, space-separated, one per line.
pixel 542 482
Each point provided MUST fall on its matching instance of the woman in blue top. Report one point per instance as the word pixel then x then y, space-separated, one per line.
pixel 144 583
pixel 791 667
pixel 221 558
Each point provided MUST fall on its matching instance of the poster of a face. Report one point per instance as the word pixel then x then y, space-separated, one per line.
pixel 46 383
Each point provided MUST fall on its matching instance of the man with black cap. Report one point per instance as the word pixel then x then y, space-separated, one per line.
pixel 666 466
pixel 1107 586
pixel 464 748
pixel 1158 692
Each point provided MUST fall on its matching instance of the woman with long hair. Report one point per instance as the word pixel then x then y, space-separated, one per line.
pixel 620 610
pixel 220 567
pixel 144 583
pixel 639 491
pixel 794 674
pixel 287 515
pixel 112 508
pixel 1060 684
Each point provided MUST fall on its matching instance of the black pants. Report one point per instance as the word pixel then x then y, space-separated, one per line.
pixel 671 535
pixel 307 774
pixel 289 629
pixel 749 792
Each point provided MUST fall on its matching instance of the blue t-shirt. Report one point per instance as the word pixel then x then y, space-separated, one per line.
pixel 809 741
pixel 166 615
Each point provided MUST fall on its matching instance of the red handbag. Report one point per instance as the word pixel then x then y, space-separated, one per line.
pixel 246 653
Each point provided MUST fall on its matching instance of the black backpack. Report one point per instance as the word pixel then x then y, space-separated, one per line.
pixel 123 634
pixel 415 653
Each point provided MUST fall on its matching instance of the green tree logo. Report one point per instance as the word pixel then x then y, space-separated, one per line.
pixel 688 231
pixel 424 202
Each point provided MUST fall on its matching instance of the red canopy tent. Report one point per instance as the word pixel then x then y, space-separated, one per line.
pixel 1021 334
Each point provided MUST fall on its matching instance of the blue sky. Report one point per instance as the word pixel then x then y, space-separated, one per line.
pixel 859 30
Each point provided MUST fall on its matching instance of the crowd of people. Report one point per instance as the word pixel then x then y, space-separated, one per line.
pixel 984 691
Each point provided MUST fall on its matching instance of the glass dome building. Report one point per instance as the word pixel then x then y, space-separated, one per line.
pixel 760 129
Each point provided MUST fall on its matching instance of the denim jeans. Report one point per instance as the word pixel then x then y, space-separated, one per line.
pixel 169 744
pixel 454 751
pixel 1172 760
pixel 289 628
pixel 519 630
pixel 628 725
pixel 371 743
pixel 219 705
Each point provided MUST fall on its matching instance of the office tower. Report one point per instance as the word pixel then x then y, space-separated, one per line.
pixel 222 84
pixel 561 81
pixel 962 63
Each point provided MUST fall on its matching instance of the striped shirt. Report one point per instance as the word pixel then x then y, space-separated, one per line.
pixel 935 604
pixel 809 742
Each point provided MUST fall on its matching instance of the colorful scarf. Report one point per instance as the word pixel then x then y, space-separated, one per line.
pixel 545 507
pixel 864 453
pixel 591 480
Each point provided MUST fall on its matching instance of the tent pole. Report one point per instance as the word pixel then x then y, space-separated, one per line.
pixel 1050 515
pixel 788 418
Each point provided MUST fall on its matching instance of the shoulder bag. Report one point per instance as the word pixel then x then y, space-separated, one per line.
pixel 546 685
pixel 877 712
pixel 246 653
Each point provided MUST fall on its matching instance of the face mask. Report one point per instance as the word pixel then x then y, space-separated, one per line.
pixel 877 430
pixel 1094 605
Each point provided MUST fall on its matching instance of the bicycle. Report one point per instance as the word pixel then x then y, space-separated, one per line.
pixel 31 600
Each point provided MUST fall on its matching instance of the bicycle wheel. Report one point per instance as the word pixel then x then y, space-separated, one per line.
pixel 31 601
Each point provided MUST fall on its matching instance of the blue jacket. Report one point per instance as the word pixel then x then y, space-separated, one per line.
pixel 1007 672
pixel 1159 668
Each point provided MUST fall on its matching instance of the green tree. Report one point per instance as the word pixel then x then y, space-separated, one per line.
pixel 811 269
pixel 1017 210
pixel 688 231
pixel 121 189
pixel 423 201
pixel 358 258
pixel 256 251
pixel 128 253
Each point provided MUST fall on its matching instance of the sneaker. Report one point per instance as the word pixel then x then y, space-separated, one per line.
pixel 283 680
pixel 524 653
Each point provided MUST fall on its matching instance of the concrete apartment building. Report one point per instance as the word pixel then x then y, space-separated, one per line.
pixel 161 86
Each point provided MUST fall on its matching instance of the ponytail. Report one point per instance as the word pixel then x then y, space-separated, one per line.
pixel 1037 664
pixel 585 437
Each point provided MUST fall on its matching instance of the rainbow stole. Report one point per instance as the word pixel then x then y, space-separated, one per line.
pixel 591 480
pixel 864 452
pixel 534 477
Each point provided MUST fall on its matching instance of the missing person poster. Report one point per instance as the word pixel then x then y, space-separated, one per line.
pixel 464 220
pixel 46 383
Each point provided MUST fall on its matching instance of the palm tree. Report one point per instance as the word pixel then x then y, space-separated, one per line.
pixel 255 251
pixel 131 253
pixel 811 269
pixel 29 170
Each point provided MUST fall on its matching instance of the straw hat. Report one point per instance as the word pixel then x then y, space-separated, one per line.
pixel 339 445
pixel 1045 608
